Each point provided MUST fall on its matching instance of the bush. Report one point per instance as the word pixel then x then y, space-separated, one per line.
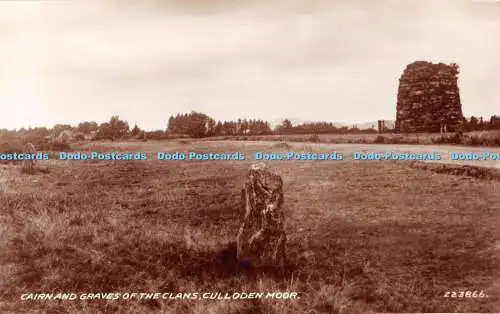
pixel 379 139
pixel 396 140
pixel 282 145
pixel 438 140
pixel 141 135
pixel 313 138
pixel 457 138
pixel 473 141
pixel 492 141
pixel 155 135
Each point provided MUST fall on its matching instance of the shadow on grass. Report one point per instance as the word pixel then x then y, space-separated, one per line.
pixel 115 268
pixel 224 263
pixel 389 267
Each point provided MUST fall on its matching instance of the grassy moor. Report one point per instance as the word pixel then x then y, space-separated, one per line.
pixel 363 236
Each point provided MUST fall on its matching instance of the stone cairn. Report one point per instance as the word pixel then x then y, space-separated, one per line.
pixel 261 238
pixel 428 98
pixel 28 165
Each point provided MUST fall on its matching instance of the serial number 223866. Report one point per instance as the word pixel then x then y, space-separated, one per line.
pixel 465 294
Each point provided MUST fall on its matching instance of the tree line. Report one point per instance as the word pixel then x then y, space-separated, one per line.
pixel 196 125
pixel 478 124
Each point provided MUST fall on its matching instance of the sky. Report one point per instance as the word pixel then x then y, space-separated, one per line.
pixel 309 60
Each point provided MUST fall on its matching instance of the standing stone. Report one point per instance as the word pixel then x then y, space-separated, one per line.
pixel 261 238
pixel 428 98
pixel 28 165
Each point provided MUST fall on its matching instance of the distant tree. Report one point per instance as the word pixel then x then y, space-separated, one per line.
pixel 114 129
pixel 473 124
pixel 287 124
pixel 118 128
pixel 141 135
pixel 354 129
pixel 265 127
pixel 460 129
pixel 494 123
pixel 171 124
pixel 238 126
pixel 218 129
pixel 244 126
pixel 285 127
pixel 194 124
pixel 198 124
pixel 135 131
pixel 258 127
pixel 229 128
pixel 154 135
pixel 58 128
pixel 103 132
pixel 87 127
pixel 211 125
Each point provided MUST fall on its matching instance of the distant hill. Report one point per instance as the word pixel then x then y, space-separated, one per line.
pixel 362 126
pixel 297 121
pixel 374 124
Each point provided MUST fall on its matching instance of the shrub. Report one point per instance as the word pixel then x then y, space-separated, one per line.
pixel 492 141
pixel 282 145
pixel 141 135
pixel 313 138
pixel 396 140
pixel 379 139
pixel 155 135
pixel 457 138
pixel 438 140
pixel 475 141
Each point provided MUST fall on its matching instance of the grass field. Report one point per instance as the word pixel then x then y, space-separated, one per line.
pixel 362 236
pixel 475 138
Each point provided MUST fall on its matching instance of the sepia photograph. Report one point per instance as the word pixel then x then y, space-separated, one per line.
pixel 258 156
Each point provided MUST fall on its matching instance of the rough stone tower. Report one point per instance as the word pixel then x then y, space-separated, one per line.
pixel 428 98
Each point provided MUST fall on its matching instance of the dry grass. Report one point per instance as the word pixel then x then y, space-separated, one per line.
pixel 486 173
pixel 476 138
pixel 362 237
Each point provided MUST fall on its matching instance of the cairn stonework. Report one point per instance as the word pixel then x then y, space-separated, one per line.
pixel 28 165
pixel 428 98
pixel 261 238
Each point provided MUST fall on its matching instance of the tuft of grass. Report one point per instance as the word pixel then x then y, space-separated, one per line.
pixel 282 145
